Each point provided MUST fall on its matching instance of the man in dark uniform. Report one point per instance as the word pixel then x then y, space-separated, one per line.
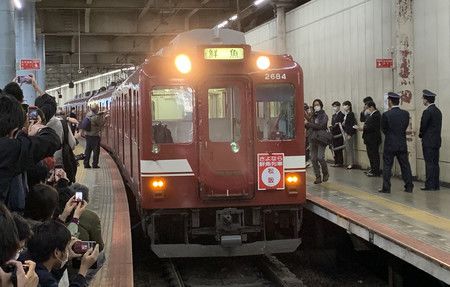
pixel 372 138
pixel 338 142
pixel 430 133
pixel 362 116
pixel 394 124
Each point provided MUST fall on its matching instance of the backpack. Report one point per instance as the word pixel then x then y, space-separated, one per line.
pixel 69 162
pixel 86 124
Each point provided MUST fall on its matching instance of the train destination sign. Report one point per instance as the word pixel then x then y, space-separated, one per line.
pixel 270 171
pixel 235 53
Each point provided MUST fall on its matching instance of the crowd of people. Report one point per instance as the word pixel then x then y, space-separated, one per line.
pixel 393 123
pixel 48 236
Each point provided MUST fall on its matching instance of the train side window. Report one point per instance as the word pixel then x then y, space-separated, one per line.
pixel 224 114
pixel 172 109
pixel 275 111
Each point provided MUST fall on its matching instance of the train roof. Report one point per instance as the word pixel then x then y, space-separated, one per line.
pixel 192 39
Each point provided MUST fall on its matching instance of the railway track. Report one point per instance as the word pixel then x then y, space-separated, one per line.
pixel 272 272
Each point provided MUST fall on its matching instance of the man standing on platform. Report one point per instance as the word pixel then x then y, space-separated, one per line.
pixel 92 127
pixel 394 124
pixel 372 137
pixel 430 133
pixel 336 119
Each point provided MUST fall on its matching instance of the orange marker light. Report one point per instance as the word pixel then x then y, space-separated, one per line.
pixel 263 62
pixel 157 185
pixel 183 63
pixel 292 179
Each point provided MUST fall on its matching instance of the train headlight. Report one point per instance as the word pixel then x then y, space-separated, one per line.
pixel 183 63
pixel 263 62
pixel 158 186
pixel 292 179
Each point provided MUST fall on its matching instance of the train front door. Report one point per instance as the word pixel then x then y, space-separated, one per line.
pixel 226 169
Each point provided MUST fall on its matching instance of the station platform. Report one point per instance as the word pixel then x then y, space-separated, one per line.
pixel 109 200
pixel 415 227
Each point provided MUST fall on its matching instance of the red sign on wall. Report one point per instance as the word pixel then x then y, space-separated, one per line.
pixel 270 171
pixel 30 64
pixel 384 63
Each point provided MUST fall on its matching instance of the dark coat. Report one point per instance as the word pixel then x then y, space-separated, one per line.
pixel 319 121
pixel 348 124
pixel 19 154
pixel 394 124
pixel 335 120
pixel 430 127
pixel 47 279
pixel 372 129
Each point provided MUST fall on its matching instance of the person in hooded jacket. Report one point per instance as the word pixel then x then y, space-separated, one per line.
pixel 318 122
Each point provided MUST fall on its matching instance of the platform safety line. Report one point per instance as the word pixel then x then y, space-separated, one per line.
pixel 409 211
pixel 81 171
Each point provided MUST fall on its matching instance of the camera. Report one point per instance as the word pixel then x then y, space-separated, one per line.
pixel 78 196
pixel 81 247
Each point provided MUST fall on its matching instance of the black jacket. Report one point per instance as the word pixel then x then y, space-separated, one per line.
pixel 47 279
pixel 335 120
pixel 372 129
pixel 430 127
pixel 19 154
pixel 394 124
pixel 348 124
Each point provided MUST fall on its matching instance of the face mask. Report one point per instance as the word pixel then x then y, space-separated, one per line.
pixel 317 108
pixel 64 261
pixel 335 109
pixel 366 112
pixel 346 108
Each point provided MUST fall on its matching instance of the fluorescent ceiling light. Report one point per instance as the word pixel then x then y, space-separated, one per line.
pixel 257 2
pixel 223 24
pixel 18 4
pixel 232 18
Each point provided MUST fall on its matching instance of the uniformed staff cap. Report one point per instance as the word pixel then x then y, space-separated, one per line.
pixel 393 95
pixel 428 93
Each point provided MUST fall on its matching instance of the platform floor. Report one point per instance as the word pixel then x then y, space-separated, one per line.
pixel 108 199
pixel 413 226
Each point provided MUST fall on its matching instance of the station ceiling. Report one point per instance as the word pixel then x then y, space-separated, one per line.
pixel 117 33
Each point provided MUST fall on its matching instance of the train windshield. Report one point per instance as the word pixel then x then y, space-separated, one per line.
pixel 172 109
pixel 224 114
pixel 275 107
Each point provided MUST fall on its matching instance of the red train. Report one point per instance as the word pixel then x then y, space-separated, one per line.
pixel 209 136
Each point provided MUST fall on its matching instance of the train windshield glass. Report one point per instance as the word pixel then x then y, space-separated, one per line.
pixel 224 114
pixel 172 109
pixel 275 107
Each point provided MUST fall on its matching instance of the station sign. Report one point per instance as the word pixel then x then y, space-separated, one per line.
pixel 270 171
pixel 384 63
pixel 30 64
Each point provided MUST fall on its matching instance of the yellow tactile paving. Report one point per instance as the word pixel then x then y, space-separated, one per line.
pixel 411 212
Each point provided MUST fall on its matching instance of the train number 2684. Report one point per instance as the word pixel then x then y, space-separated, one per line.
pixel 275 76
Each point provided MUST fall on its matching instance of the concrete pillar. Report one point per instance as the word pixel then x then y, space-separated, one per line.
pixel 40 74
pixel 281 27
pixel 7 43
pixel 404 74
pixel 26 43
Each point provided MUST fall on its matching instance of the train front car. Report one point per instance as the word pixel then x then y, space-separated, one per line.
pixel 223 165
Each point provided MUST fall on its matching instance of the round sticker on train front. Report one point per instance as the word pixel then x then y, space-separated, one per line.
pixel 270 171
pixel 271 176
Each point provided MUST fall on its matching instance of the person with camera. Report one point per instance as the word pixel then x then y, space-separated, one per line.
pixel 12 272
pixel 19 151
pixel 317 129
pixel 51 247
pixel 92 126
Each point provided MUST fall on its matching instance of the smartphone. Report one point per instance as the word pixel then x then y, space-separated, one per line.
pixel 23 79
pixel 78 196
pixel 81 247
pixel 32 113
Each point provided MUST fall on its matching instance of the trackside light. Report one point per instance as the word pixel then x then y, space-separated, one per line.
pixel 263 62
pixel 183 63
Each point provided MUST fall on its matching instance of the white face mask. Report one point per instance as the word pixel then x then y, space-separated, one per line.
pixel 367 112
pixel 64 261
pixel 346 108
pixel 335 109
pixel 317 108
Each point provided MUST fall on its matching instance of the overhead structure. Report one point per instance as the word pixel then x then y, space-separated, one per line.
pixel 117 33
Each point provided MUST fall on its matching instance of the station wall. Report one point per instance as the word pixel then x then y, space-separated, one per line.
pixel 338 42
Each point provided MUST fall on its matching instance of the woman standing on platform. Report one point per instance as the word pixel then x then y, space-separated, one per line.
pixel 350 131
pixel 317 126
